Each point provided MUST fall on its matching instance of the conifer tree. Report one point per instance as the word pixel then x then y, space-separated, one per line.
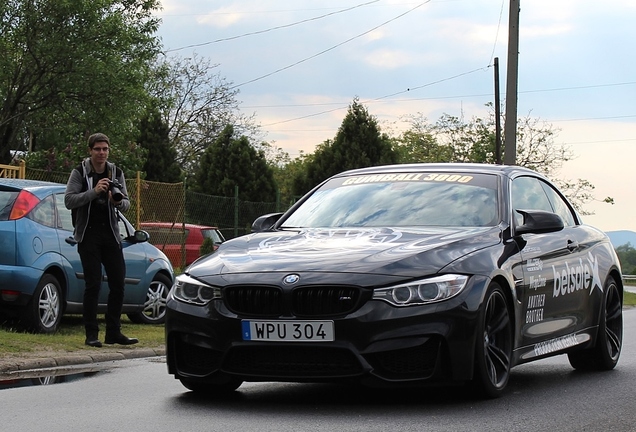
pixel 161 164
pixel 359 143
pixel 231 162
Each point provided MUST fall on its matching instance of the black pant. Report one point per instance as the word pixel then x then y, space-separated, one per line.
pixel 100 247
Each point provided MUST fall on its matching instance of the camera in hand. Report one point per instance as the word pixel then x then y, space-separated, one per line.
pixel 115 188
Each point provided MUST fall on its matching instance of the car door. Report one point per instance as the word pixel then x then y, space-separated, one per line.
pixel 137 280
pixel 70 259
pixel 134 256
pixel 552 288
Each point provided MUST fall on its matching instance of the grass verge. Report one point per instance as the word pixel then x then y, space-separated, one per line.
pixel 70 338
pixel 629 299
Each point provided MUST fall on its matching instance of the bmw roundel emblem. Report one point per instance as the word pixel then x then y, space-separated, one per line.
pixel 291 279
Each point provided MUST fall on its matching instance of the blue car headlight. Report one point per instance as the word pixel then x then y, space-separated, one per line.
pixel 190 290
pixel 422 291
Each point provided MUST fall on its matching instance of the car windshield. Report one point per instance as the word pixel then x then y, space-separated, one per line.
pixel 405 199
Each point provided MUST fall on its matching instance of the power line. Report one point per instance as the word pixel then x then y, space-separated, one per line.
pixel 580 87
pixel 601 141
pixel 431 83
pixel 597 118
pixel 466 96
pixel 494 46
pixel 251 11
pixel 376 99
pixel 270 29
pixel 329 49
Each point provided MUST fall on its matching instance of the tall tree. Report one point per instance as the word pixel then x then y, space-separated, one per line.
pixel 358 143
pixel 419 143
pixel 285 170
pixel 453 139
pixel 197 103
pixel 71 68
pixel 161 165
pixel 229 162
pixel 470 141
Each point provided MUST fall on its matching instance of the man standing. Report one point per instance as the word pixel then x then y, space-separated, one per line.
pixel 89 195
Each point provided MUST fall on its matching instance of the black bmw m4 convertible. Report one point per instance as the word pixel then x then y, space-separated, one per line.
pixel 401 275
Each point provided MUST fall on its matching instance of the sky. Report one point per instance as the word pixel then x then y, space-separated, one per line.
pixel 298 65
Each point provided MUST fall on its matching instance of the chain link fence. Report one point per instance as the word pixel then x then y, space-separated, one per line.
pixel 171 202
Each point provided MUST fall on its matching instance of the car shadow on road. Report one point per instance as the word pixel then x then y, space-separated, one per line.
pixel 526 382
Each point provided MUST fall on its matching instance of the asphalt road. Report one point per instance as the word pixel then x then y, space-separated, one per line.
pixel 139 395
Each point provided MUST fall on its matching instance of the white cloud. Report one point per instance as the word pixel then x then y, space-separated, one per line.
pixel 170 6
pixel 388 59
pixel 221 17
pixel 526 32
pixel 549 10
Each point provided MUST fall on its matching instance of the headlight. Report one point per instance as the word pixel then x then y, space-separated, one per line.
pixel 189 290
pixel 422 291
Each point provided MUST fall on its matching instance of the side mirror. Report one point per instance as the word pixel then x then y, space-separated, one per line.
pixel 141 236
pixel 265 222
pixel 539 221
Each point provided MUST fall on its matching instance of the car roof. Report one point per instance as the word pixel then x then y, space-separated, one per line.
pixel 175 225
pixel 34 186
pixel 507 170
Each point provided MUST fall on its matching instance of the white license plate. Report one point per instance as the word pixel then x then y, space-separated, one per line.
pixel 305 331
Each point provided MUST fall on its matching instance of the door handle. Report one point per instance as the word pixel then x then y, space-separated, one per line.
pixel 572 245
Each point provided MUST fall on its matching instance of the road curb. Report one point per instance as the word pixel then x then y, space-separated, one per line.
pixel 12 365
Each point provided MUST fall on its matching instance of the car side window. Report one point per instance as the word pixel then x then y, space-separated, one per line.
pixel 528 194
pixel 6 203
pixel 63 214
pixel 44 213
pixel 216 237
pixel 560 206
pixel 160 236
pixel 212 234
pixel 123 232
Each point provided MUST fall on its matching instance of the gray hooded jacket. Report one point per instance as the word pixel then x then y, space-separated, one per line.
pixel 80 193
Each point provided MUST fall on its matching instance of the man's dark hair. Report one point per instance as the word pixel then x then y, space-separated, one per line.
pixel 97 137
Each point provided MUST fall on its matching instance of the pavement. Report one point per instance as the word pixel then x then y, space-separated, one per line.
pixel 13 365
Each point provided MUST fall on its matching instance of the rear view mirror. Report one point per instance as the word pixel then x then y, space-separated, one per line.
pixel 539 221
pixel 265 222
pixel 141 236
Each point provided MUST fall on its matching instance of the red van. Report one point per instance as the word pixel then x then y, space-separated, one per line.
pixel 173 238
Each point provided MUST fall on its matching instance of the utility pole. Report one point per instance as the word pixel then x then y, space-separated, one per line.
pixel 510 132
pixel 497 115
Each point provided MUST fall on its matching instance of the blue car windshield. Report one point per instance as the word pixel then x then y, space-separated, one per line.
pixel 393 200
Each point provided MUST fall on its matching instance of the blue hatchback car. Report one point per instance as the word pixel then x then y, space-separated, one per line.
pixel 41 275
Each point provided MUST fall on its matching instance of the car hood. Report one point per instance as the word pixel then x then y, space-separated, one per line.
pixel 388 251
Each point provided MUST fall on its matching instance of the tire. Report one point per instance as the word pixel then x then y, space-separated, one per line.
pixel 493 349
pixel 609 341
pixel 44 312
pixel 211 390
pixel 154 311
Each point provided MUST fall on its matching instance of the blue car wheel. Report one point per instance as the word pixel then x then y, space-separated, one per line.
pixel 44 312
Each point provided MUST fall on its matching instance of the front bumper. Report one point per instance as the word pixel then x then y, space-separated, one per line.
pixel 378 344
